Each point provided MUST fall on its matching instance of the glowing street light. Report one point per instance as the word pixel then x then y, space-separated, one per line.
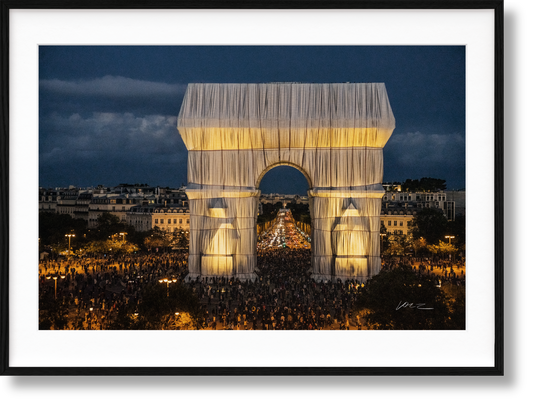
pixel 168 282
pixel 449 238
pixel 69 236
pixel 123 236
pixel 90 318
pixel 54 276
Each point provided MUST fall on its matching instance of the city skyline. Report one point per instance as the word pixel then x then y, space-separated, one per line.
pixel 108 114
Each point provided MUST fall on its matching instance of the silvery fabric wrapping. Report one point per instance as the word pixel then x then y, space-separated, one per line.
pixel 333 133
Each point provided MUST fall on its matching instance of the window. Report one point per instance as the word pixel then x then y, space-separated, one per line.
pixel 168 221
pixel 401 223
pixel 400 231
pixel 175 221
pixel 389 223
pixel 187 221
pixel 156 221
pixel 383 223
pixel 181 221
pixel 395 223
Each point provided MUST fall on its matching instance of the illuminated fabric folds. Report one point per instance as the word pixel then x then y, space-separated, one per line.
pixel 333 133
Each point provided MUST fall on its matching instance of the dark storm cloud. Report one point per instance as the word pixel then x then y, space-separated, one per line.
pixel 108 113
pixel 416 155
pixel 112 86
pixel 103 140
pixel 114 128
pixel 110 94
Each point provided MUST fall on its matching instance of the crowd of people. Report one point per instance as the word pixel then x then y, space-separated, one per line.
pixel 283 296
pixel 439 269
pixel 94 289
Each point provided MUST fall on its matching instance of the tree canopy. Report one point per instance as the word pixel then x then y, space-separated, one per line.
pixel 54 226
pixel 429 224
pixel 158 311
pixel 400 299
pixel 425 184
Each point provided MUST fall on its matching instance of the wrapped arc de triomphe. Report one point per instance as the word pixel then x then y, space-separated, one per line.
pixel 333 133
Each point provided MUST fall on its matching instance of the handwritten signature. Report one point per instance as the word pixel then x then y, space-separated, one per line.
pixel 412 306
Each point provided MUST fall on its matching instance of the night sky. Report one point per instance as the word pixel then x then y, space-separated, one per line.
pixel 108 115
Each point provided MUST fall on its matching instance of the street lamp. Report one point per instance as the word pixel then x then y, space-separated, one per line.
pixel 449 242
pixel 381 239
pixel 449 238
pixel 54 276
pixel 123 236
pixel 168 282
pixel 69 236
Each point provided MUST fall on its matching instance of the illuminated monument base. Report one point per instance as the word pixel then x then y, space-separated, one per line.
pixel 345 239
pixel 223 232
pixel 333 133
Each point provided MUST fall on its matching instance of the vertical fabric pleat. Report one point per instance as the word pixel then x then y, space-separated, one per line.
pixel 333 133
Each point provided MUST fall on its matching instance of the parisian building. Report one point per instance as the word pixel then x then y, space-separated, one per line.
pixel 147 207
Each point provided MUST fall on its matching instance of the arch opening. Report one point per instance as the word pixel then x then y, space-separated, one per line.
pixel 284 218
pixel 284 236
pixel 281 164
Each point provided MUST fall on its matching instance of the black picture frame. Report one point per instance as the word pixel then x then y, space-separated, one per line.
pixel 496 5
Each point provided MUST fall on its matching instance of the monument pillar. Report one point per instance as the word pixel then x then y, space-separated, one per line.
pixel 223 232
pixel 346 243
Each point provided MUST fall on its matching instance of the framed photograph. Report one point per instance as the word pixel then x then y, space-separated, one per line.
pixel 325 178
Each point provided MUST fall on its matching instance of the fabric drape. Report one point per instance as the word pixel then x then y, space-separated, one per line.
pixel 333 133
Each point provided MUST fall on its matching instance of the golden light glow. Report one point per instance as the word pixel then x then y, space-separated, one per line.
pixel 334 133
pixel 226 138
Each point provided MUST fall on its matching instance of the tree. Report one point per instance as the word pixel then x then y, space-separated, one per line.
pixel 397 244
pixel 425 184
pixel 384 235
pixel 419 245
pixel 270 211
pixel 54 226
pixel 456 301
pixel 443 249
pixel 429 224
pixel 113 245
pixel 53 314
pixel 180 239
pixel 399 299
pixel 157 239
pixel 157 311
pixel 457 228
pixel 109 225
